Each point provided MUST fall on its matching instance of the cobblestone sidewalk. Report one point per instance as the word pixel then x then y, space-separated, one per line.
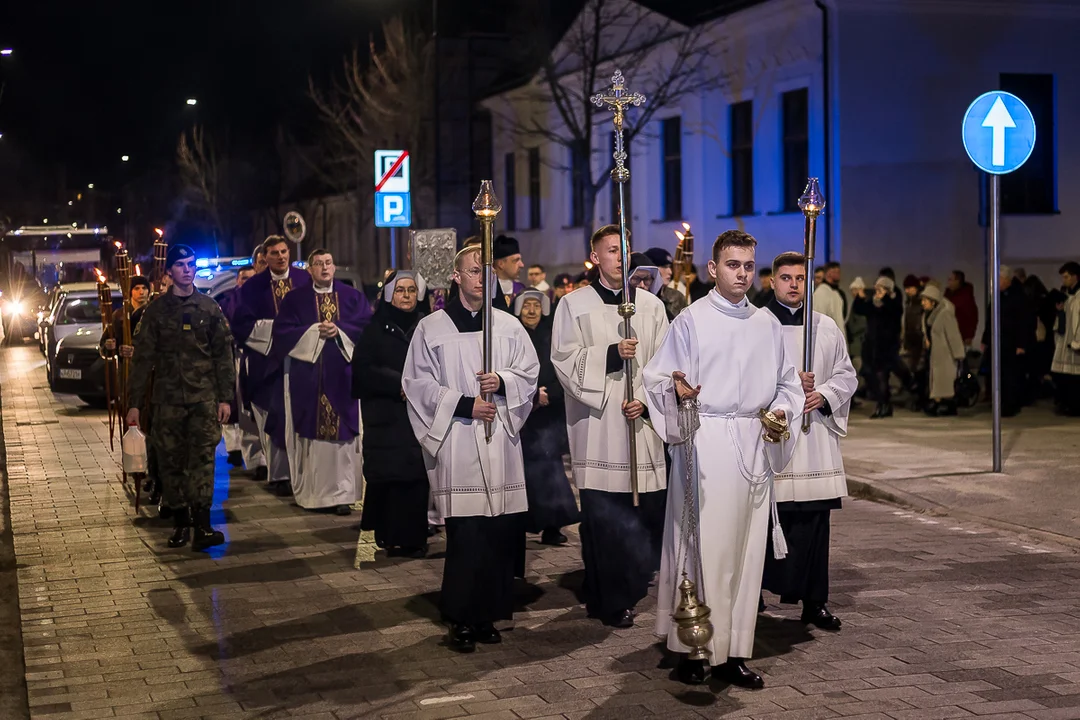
pixel 942 620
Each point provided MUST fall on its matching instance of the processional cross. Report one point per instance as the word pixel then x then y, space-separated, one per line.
pixel 617 98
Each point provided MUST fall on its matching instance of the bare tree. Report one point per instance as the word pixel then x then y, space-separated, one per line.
pixel 202 173
pixel 381 100
pixel 660 58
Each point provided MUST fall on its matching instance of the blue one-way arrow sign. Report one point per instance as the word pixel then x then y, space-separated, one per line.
pixel 998 132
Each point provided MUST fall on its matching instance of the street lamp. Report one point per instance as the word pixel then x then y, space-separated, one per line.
pixel 125 158
pixel 90 186
pixel 6 52
pixel 192 101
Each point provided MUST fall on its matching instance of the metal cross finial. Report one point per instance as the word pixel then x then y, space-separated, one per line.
pixel 618 99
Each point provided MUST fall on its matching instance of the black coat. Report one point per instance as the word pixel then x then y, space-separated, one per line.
pixel 881 345
pixel 391 451
pixel 544 433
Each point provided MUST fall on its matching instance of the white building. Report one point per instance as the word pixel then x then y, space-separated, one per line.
pixel 867 95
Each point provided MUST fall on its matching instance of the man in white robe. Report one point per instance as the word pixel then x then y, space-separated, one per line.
pixel 619 543
pixel 478 486
pixel 731 357
pixel 1065 367
pixel 813 483
pixel 315 335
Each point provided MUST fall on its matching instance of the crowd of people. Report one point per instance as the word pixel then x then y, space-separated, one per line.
pixel 324 396
pixel 922 333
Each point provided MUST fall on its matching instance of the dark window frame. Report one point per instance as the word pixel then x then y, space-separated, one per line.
pixel 795 131
pixel 535 217
pixel 579 175
pixel 741 131
pixel 510 188
pixel 1031 189
pixel 671 169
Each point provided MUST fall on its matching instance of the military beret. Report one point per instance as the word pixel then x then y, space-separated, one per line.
pixel 178 252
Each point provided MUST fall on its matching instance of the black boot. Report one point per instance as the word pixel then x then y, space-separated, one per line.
pixel 461 638
pixel 205 535
pixel 552 536
pixel 155 491
pixel 236 458
pixel 181 528
pixel 883 410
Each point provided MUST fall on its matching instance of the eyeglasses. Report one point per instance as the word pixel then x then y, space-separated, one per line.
pixel 322 264
pixel 471 272
pixel 399 290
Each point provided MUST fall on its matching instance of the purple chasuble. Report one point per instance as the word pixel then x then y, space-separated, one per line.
pixel 260 299
pixel 321 392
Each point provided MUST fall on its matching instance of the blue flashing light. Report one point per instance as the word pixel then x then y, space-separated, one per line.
pixel 205 274
pixel 242 262
pixel 202 262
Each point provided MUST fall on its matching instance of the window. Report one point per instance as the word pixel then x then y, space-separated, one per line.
pixel 579 176
pixel 796 120
pixel 534 188
pixel 671 147
pixel 510 201
pixel 626 185
pixel 742 158
pixel 1033 187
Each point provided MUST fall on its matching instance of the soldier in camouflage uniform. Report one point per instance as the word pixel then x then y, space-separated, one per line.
pixel 185 340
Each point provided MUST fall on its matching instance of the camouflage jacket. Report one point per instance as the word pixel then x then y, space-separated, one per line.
pixel 187 344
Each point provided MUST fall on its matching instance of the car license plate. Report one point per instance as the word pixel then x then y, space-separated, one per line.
pixel 70 374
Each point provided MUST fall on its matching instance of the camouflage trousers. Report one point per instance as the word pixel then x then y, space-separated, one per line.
pixel 184 439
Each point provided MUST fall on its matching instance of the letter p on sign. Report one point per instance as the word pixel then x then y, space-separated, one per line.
pixel 392 209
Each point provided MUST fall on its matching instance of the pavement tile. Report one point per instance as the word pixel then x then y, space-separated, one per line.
pixel 938 623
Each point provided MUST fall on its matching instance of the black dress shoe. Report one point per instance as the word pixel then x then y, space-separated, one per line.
pixel 818 614
pixel 461 638
pixel 734 671
pixel 343 510
pixel 691 672
pixel 261 473
pixel 487 634
pixel 281 488
pixel 552 537
pixel 883 410
pixel 619 619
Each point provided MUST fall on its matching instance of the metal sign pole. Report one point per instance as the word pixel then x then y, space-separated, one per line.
pixel 995 315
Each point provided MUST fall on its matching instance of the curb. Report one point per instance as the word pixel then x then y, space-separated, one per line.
pixel 881 492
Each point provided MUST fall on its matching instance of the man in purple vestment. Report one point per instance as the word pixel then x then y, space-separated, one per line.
pixel 253 322
pixel 506 261
pixel 315 333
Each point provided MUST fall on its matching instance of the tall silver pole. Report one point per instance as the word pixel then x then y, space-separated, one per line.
pixel 995 315
pixel 618 99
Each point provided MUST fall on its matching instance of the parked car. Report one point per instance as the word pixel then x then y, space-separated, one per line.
pixel 75 308
pixel 78 366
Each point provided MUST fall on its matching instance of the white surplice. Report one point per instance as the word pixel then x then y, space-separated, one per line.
pixel 1067 339
pixel 584 328
pixel 816 470
pixel 737 354
pixel 260 340
pixel 325 473
pixel 468 475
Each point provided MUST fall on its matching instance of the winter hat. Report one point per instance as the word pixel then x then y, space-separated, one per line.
pixel 932 292
pixel 857 284
pixel 885 282
pixel 911 281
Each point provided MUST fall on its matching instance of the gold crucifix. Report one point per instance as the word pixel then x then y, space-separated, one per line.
pixel 618 99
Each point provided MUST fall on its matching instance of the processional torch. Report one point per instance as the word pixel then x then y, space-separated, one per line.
pixel 812 202
pixel 684 260
pixel 157 271
pixel 104 293
pixel 617 99
pixel 123 273
pixel 487 207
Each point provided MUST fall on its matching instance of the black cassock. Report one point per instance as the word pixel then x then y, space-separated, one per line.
pixel 543 443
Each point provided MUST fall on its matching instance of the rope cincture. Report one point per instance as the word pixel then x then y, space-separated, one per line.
pixel 690 541
pixel 779 542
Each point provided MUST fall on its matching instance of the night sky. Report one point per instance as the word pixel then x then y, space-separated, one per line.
pixel 91 81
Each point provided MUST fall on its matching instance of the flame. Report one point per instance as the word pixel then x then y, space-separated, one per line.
pixel 679 235
pixel 119 245
pixel 588 265
pixel 138 270
pixel 160 232
pixel 686 226
pixel 100 276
